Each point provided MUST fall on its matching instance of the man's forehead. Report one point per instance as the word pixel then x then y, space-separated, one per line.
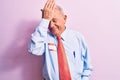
pixel 56 12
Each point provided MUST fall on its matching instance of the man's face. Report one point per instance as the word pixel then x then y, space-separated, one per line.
pixel 57 24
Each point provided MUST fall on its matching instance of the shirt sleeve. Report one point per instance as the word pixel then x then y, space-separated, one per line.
pixel 38 38
pixel 87 65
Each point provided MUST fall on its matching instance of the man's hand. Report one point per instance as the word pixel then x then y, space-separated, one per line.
pixel 48 10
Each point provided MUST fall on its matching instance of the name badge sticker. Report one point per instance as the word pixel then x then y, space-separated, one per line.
pixel 52 47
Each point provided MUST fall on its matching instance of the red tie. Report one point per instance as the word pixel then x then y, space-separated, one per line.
pixel 64 72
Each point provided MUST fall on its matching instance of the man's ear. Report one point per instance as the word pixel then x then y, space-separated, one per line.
pixel 65 17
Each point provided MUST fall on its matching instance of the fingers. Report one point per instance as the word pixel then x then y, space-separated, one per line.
pixel 48 10
pixel 47 3
pixel 50 4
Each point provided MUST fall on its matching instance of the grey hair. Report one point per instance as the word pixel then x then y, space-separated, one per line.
pixel 60 9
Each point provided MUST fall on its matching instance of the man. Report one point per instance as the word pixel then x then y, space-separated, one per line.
pixel 72 62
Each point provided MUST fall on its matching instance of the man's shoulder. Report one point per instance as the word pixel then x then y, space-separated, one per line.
pixel 74 33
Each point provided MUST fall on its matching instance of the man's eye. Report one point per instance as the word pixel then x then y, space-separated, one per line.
pixel 54 20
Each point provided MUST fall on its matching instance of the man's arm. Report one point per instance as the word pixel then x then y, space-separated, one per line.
pixel 39 37
pixel 87 67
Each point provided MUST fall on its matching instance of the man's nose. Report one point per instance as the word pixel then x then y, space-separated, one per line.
pixel 52 25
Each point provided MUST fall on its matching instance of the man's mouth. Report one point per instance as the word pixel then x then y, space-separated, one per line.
pixel 53 28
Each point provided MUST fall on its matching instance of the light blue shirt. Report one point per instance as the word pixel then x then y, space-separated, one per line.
pixel 79 61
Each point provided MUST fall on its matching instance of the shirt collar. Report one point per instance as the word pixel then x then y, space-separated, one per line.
pixel 64 34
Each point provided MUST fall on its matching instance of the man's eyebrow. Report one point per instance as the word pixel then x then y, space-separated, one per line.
pixel 54 19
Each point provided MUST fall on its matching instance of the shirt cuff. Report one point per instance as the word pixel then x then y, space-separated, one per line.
pixel 45 20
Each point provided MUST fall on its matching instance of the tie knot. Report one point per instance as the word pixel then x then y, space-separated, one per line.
pixel 58 37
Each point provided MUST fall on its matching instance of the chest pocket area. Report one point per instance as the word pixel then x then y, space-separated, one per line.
pixel 52 47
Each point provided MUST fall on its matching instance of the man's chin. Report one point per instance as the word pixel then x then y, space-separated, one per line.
pixel 54 33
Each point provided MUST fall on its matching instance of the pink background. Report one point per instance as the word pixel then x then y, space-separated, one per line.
pixel 97 20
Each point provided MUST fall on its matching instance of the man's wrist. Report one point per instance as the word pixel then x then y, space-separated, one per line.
pixel 45 20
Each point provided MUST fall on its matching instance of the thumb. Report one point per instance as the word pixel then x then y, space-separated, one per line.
pixel 41 9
